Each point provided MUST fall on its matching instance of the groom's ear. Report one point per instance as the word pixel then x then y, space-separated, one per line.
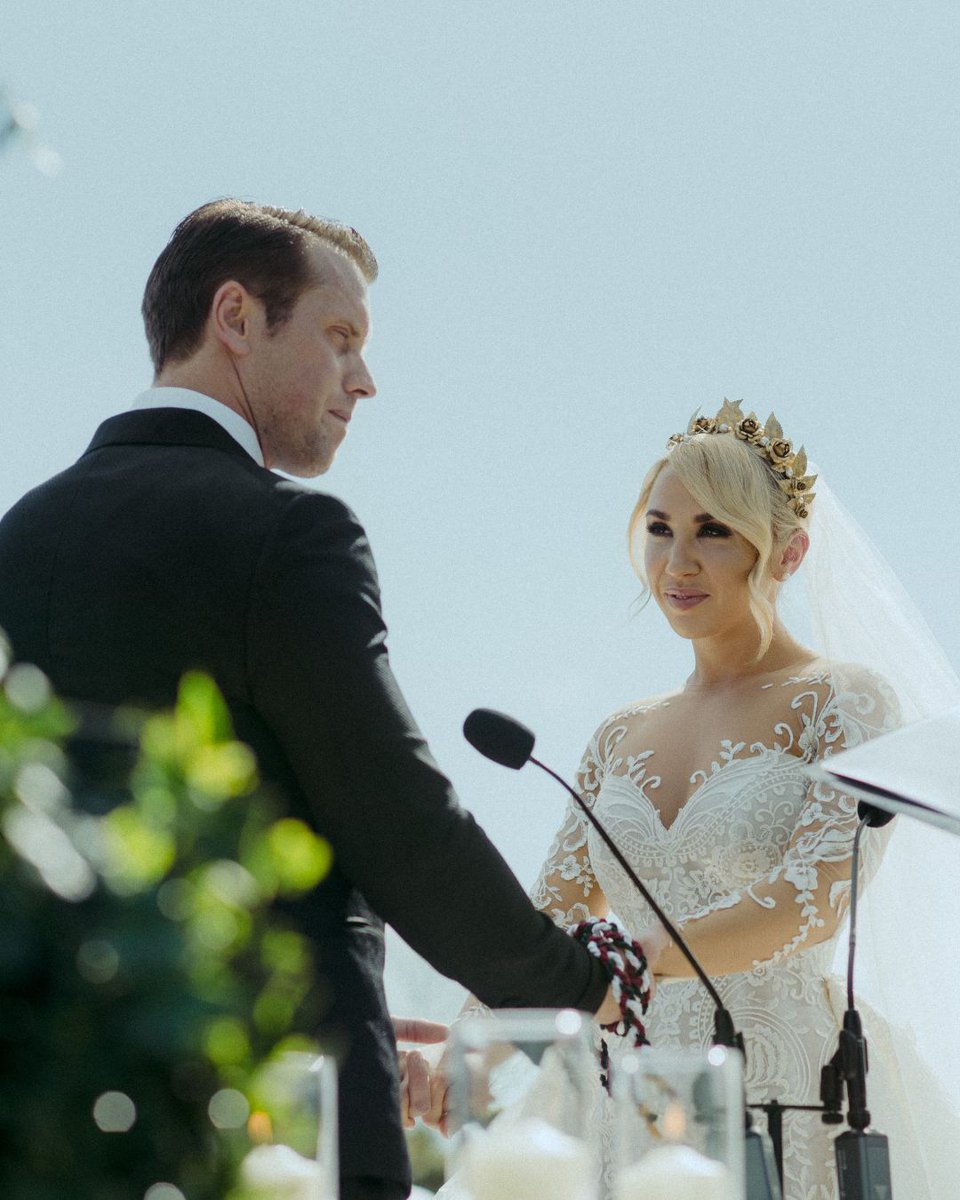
pixel 232 316
pixel 792 555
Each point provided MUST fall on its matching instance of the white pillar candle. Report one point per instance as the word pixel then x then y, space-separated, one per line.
pixel 277 1172
pixel 529 1160
pixel 674 1173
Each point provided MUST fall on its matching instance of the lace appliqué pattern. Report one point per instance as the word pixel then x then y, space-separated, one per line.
pixel 753 832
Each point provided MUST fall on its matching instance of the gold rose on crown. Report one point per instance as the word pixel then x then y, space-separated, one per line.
pixel 788 468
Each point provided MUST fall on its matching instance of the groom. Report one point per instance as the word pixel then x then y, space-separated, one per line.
pixel 171 544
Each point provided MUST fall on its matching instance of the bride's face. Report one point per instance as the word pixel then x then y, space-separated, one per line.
pixel 697 567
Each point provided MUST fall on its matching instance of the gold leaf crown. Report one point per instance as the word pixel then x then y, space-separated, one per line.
pixel 788 468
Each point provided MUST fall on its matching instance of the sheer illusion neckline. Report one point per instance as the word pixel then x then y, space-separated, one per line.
pixel 638 770
pixel 725 762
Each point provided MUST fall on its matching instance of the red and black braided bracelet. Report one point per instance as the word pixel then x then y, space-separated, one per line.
pixel 626 964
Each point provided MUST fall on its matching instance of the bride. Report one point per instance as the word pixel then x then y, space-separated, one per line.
pixel 704 790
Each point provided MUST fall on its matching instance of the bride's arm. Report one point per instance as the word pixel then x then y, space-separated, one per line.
pixel 566 888
pixel 804 899
pixel 796 906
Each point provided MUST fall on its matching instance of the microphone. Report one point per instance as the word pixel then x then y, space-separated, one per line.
pixel 499 737
pixel 875 817
pixel 507 742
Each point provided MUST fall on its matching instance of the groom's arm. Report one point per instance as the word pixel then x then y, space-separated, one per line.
pixel 321 679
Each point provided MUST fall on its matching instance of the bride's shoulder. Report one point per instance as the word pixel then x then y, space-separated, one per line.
pixel 850 691
pixel 601 750
pixel 839 676
pixel 622 720
pixel 637 710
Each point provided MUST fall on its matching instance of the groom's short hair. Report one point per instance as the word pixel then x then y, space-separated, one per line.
pixel 258 245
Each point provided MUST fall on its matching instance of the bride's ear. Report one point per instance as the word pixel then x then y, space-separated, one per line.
pixel 791 555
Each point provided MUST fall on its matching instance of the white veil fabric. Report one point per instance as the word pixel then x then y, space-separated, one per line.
pixel 909 919
pixel 860 612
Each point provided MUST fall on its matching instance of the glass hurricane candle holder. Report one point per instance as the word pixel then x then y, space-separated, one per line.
pixel 679 1132
pixel 523 1094
pixel 293 1125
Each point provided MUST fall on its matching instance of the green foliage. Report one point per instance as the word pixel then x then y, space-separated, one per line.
pixel 143 974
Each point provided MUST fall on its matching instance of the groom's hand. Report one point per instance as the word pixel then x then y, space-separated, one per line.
pixel 415 1072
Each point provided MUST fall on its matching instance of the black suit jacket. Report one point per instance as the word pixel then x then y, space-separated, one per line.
pixel 166 548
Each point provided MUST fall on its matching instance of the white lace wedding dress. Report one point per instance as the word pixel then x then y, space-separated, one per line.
pixel 753 834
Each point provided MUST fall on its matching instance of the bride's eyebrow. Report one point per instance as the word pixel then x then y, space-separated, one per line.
pixel 700 518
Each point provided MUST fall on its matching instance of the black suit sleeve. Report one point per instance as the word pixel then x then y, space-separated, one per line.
pixel 320 676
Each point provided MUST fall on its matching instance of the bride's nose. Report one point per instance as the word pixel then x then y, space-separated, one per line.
pixel 682 559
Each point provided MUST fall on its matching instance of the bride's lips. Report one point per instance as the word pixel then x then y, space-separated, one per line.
pixel 678 598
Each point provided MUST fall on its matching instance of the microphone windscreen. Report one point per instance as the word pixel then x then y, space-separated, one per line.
pixel 499 737
pixel 875 817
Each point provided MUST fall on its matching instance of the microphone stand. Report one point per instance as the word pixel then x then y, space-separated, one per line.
pixel 863 1159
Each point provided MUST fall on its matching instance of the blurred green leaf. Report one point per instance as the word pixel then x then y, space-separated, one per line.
pixel 222 771
pixel 227 1042
pixel 300 858
pixel 139 854
pixel 201 714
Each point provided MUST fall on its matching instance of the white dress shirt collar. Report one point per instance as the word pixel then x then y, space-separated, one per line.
pixel 231 422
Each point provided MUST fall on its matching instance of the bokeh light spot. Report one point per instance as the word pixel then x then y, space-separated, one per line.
pixel 175 899
pixel 163 1191
pixel 27 687
pixel 40 788
pixel 228 1109
pixel 114 1112
pixel 98 960
pixel 232 883
pixel 43 843
pixel 569 1022
pixel 227 1042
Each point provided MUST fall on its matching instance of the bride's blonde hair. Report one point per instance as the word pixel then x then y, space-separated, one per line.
pixel 733 484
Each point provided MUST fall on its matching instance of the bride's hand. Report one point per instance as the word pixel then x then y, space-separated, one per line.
pixel 416 1073
pixel 655 940
pixel 438 1113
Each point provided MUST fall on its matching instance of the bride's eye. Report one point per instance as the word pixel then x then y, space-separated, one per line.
pixel 658 529
pixel 713 530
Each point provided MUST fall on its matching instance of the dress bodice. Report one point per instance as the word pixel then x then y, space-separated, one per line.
pixel 733 830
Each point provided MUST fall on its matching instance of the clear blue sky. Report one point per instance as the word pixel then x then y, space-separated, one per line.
pixel 591 219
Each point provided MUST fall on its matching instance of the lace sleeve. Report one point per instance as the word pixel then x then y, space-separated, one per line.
pixel 804 898
pixel 566 888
